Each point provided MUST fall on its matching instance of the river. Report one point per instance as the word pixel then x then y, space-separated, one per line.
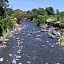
pixel 31 46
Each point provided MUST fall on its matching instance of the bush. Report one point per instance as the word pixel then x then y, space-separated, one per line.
pixel 6 23
pixel 1 27
pixel 61 41
pixel 9 23
pixel 41 19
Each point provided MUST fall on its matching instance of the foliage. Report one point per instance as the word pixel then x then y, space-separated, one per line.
pixel 41 19
pixel 40 11
pixel 19 14
pixel 1 27
pixel 61 41
pixel 2 12
pixel 9 11
pixel 50 10
pixel 3 3
pixel 6 23
pixel 57 12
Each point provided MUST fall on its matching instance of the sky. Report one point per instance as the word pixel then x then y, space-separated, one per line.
pixel 30 4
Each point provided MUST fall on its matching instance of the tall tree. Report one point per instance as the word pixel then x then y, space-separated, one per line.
pixel 57 11
pixel 34 10
pixel 3 3
pixel 50 10
pixel 41 11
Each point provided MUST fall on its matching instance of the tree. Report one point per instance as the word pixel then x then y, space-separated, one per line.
pixel 2 12
pixel 3 3
pixel 57 11
pixel 19 15
pixel 9 11
pixel 40 11
pixel 50 10
pixel 3 6
pixel 34 10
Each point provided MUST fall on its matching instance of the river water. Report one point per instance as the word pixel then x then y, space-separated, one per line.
pixel 31 46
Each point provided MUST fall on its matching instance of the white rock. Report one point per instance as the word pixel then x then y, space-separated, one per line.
pixel 14 61
pixel 1 59
pixel 28 62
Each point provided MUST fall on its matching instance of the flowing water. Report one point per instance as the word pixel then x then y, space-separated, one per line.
pixel 31 46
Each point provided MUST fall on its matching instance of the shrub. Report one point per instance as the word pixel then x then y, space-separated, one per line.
pixel 61 41
pixel 41 19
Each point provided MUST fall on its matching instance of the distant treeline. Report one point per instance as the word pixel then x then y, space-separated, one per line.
pixel 9 17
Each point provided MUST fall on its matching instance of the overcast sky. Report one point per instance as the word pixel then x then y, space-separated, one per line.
pixel 30 4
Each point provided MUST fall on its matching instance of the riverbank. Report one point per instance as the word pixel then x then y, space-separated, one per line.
pixel 10 33
pixel 54 32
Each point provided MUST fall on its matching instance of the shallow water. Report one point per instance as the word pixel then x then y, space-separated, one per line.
pixel 31 46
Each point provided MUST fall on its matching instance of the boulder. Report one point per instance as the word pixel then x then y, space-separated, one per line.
pixel 61 25
pixel 54 32
pixel 56 24
pixel 51 35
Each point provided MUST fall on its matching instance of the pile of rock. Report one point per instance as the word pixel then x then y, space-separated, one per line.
pixel 54 30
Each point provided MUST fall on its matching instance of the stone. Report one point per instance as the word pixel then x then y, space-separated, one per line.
pixel 51 35
pixel 1 59
pixel 61 25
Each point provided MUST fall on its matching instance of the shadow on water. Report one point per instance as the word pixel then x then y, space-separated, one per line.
pixel 31 46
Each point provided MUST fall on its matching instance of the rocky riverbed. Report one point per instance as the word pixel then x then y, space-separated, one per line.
pixel 10 33
pixel 31 46
pixel 54 32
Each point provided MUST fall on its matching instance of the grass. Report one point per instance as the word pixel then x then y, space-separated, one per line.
pixel 61 40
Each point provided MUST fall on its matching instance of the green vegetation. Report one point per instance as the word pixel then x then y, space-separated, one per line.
pixel 41 15
pixel 61 41
pixel 10 17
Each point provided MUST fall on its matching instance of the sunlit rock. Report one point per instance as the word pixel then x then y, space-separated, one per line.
pixel 3 46
pixel 14 61
pixel 57 63
pixel 17 38
pixel 38 39
pixel 1 59
pixel 21 42
pixel 51 35
pixel 18 57
pixel 18 51
pixel 28 62
pixel 38 35
pixel 52 46
pixel 47 41
pixel 46 63
pixel 44 30
pixel 14 37
pixel 4 42
pixel 7 60
pixel 6 39
pixel 29 34
pixel 21 47
pixel 10 54
pixel 19 63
